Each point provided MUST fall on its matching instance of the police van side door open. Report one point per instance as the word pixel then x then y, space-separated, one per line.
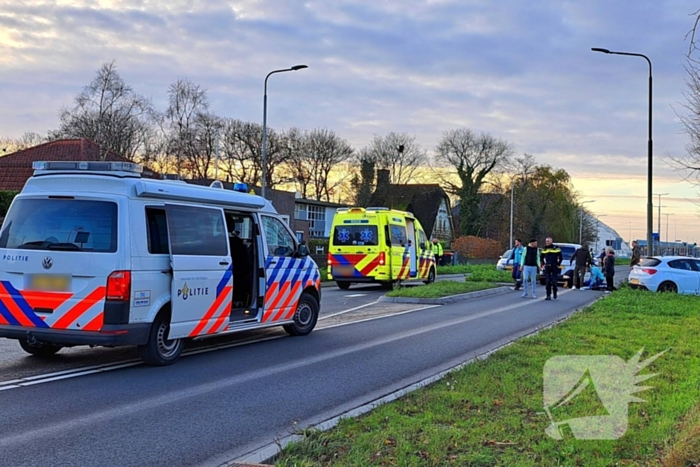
pixel 201 290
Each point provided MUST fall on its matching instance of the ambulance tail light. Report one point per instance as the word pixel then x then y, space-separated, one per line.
pixel 382 258
pixel 329 260
pixel 119 286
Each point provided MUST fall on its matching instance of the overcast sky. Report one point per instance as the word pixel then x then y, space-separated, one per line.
pixel 522 71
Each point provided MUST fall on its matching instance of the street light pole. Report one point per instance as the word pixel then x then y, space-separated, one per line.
pixel 667 214
pixel 512 201
pixel 580 228
pixel 264 135
pixel 660 195
pixel 650 150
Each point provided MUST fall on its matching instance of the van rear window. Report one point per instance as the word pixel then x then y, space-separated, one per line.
pixel 344 235
pixel 61 224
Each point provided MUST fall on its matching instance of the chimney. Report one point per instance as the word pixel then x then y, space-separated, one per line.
pixel 383 179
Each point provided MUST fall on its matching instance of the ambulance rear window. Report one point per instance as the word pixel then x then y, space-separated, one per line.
pixel 365 234
pixel 61 224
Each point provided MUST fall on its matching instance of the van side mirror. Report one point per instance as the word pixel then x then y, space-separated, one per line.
pixel 302 250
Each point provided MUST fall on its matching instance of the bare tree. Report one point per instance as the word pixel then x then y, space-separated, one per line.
pixel 294 143
pixel 473 157
pixel 27 140
pixel 241 153
pixel 325 152
pixel 109 112
pixel 187 102
pixel 399 153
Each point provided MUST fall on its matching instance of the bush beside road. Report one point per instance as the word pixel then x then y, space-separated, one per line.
pixel 491 412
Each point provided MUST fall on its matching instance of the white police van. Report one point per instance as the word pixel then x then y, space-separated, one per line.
pixel 91 253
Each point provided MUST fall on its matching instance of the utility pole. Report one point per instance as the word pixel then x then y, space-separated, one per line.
pixel 512 200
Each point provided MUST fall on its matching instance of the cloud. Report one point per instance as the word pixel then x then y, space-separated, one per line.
pixel 522 71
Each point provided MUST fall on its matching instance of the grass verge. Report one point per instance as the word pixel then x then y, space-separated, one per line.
pixel 439 289
pixel 490 412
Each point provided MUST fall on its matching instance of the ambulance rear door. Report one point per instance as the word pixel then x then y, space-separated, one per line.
pixel 201 290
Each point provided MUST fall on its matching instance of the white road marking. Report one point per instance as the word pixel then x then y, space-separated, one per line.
pixel 355 295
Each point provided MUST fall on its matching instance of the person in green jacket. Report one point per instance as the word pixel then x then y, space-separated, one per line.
pixel 437 251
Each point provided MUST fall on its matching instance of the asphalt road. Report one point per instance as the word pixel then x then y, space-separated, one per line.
pixel 213 407
pixel 15 363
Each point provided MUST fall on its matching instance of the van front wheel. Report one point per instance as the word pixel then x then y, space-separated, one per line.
pixel 159 350
pixel 41 349
pixel 343 285
pixel 305 316
pixel 431 277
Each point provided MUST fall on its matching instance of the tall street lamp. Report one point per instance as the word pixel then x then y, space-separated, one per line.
pixel 264 141
pixel 660 195
pixel 667 215
pixel 580 228
pixel 650 209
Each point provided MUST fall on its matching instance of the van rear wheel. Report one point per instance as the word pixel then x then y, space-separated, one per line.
pixel 343 285
pixel 159 350
pixel 40 349
pixel 305 316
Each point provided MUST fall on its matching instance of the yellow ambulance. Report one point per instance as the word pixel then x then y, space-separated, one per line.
pixel 379 245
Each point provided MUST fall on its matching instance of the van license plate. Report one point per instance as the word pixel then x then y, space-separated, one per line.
pixel 49 282
pixel 344 271
pixel 634 281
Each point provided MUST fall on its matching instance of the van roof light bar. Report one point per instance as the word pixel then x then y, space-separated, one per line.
pixel 89 166
pixel 378 209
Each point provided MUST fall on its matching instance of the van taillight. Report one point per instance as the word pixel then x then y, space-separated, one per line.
pixel 329 259
pixel 382 259
pixel 119 286
pixel 651 272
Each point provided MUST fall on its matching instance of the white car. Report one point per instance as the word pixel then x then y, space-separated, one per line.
pixel 505 257
pixel 677 274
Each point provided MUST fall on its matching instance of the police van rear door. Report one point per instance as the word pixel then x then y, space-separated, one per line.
pixel 202 270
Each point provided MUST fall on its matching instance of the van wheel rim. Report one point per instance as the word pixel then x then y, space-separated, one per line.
pixel 166 347
pixel 303 315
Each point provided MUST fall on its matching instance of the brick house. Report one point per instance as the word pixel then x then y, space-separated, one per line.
pixel 16 168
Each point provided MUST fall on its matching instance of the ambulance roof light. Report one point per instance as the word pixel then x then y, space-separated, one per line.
pixel 89 166
pixel 378 209
pixel 240 187
pixel 217 184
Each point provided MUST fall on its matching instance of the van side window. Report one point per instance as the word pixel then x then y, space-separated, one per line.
pixel 197 231
pixel 157 227
pixel 279 241
pixel 398 235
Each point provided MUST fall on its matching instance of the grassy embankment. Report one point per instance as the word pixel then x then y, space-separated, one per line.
pixel 480 277
pixel 490 413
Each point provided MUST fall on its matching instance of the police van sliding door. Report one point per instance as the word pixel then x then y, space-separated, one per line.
pixel 202 271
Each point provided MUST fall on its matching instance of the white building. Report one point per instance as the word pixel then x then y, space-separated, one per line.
pixel 608 237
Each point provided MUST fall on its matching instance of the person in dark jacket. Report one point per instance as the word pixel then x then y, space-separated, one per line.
pixel 551 260
pixel 636 255
pixel 609 269
pixel 583 263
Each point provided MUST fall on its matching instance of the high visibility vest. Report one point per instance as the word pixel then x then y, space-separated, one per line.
pixel 437 249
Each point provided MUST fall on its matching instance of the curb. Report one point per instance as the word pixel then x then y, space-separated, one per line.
pixel 443 276
pixel 449 299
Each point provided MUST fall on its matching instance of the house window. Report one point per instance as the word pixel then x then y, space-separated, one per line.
pixel 317 220
pixel 300 212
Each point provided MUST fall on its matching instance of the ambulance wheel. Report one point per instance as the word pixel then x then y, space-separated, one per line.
pixel 388 285
pixel 41 349
pixel 343 285
pixel 159 350
pixel 305 316
pixel 431 277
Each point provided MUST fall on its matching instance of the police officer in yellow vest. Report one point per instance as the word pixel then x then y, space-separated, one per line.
pixel 437 251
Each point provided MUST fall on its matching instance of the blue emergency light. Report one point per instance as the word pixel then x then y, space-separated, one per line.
pixel 241 187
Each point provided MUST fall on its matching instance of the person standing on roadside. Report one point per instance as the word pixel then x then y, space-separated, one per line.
pixel 609 270
pixel 529 264
pixel 516 256
pixel 601 258
pixel 437 251
pixel 583 263
pixel 551 260
pixel 636 255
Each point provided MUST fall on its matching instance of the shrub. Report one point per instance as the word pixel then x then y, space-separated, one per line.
pixel 6 198
pixel 471 247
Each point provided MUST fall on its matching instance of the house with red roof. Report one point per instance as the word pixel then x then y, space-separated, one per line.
pixel 16 168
